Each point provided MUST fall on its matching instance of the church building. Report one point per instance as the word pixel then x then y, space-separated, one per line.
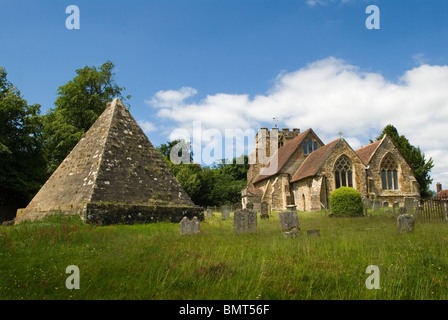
pixel 303 171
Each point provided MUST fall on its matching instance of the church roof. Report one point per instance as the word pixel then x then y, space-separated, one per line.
pixel 314 161
pixel 366 152
pixel 284 153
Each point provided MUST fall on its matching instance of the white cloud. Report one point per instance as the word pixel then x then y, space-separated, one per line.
pixel 146 126
pixel 329 96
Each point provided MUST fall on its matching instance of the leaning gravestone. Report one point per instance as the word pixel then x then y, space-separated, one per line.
pixel 244 221
pixel 289 222
pixel 405 223
pixel 264 208
pixel 188 226
pixel 225 212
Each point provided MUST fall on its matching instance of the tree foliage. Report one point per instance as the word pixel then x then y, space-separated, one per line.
pixel 215 186
pixel 414 156
pixel 22 169
pixel 79 103
pixel 346 202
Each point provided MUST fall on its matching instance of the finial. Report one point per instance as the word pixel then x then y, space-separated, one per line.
pixel 340 134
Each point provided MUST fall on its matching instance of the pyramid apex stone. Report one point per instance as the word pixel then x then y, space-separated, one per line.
pixel 113 175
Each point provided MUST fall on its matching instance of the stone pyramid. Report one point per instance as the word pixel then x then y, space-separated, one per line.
pixel 113 175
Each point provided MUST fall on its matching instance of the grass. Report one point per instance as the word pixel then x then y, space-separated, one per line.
pixel 153 262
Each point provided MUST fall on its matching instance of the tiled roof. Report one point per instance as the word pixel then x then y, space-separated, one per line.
pixel 365 152
pixel 314 161
pixel 284 153
pixel 255 190
pixel 442 194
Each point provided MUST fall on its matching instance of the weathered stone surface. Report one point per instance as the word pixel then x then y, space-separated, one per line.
pixel 249 205
pixel 405 223
pixel 188 226
pixel 225 212
pixel 313 233
pixel 114 167
pixel 264 214
pixel 8 223
pixel 289 222
pixel 244 221
pixel 376 205
pixel 237 206
pixel 209 213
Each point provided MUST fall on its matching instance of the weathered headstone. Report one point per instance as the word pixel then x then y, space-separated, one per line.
pixel 376 205
pixel 188 226
pixel 289 222
pixel 237 206
pixel 249 205
pixel 264 214
pixel 244 221
pixel 225 212
pixel 405 223
pixel 367 203
pixel 209 213
pixel 313 233
pixel 409 204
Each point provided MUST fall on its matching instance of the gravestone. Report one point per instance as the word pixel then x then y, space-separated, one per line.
pixel 188 226
pixel 244 221
pixel 405 223
pixel 367 203
pixel 249 205
pixel 237 206
pixel 395 206
pixel 289 222
pixel 376 205
pixel 264 214
pixel 409 204
pixel 313 233
pixel 225 212
pixel 209 213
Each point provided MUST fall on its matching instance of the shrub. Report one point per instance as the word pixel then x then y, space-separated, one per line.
pixel 346 201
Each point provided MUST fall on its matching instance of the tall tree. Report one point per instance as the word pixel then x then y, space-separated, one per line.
pixel 79 103
pixel 414 156
pixel 22 169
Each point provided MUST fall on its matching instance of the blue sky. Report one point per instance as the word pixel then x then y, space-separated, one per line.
pixel 239 63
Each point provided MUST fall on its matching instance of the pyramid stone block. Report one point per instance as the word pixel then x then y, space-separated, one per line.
pixel 113 175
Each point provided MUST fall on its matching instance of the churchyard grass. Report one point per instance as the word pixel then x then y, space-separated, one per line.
pixel 153 261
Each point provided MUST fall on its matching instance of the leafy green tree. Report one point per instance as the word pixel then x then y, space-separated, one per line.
pixel 414 156
pixel 79 103
pixel 22 170
pixel 220 184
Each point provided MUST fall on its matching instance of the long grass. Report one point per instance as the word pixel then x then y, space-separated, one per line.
pixel 153 261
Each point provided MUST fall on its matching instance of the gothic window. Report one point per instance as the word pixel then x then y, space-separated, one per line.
pixel 309 146
pixel 389 173
pixel 343 173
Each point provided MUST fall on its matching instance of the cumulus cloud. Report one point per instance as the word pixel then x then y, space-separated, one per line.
pixel 330 96
pixel 146 126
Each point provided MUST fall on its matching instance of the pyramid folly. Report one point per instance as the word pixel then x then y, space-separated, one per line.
pixel 113 175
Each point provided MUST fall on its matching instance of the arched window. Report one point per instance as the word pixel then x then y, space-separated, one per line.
pixel 389 173
pixel 343 173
